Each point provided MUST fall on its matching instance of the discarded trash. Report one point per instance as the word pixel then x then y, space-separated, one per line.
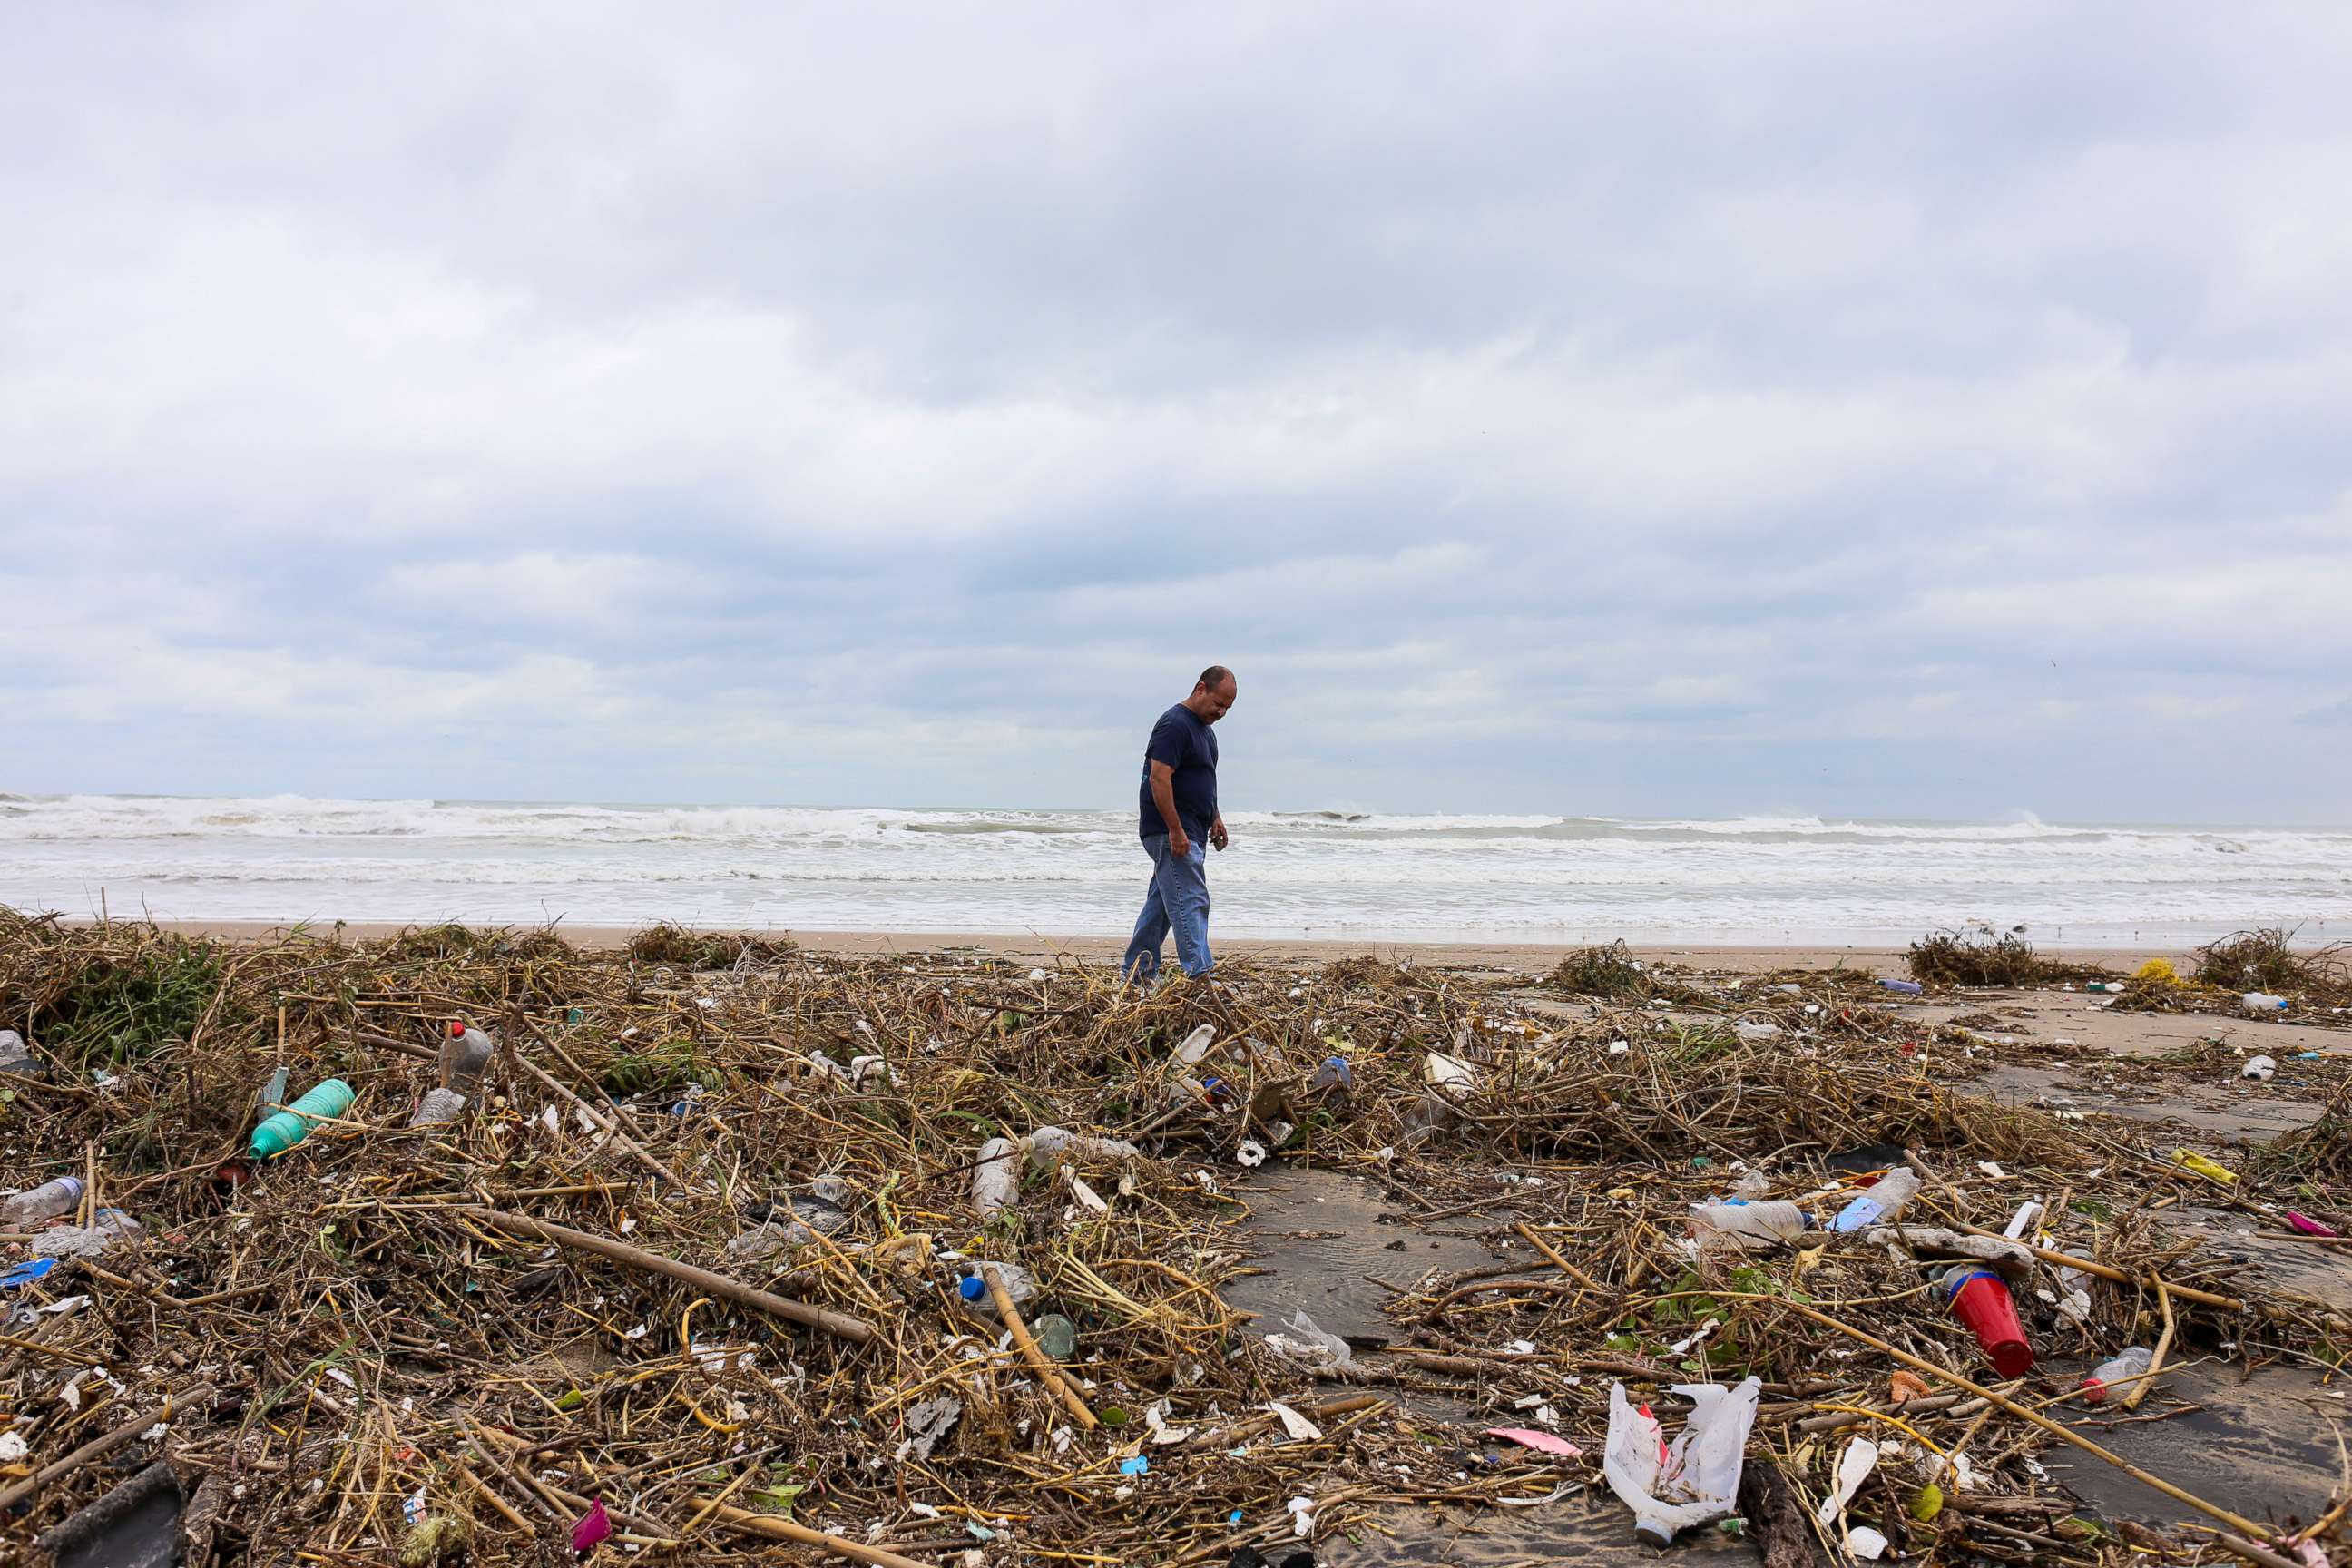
pixel 1697 1479
pixel 1302 1339
pixel 1747 1030
pixel 1542 1442
pixel 925 1422
pixel 1251 1153
pixel 1297 1428
pixel 1449 1072
pixel 61 1195
pixel 2259 1069
pixel 1196 1045
pixel 1881 1203
pixel 1903 1387
pixel 2263 1002
pixel 16 1057
pixel 1866 1544
pixel 1757 1227
pixel 466 1053
pixel 1048 1146
pixel 292 1125
pixel 2018 1223
pixel 1055 1335
pixel 27 1272
pixel 2158 972
pixel 2115 1370
pixel 2109 987
pixel 592 1529
pixel 1854 1467
pixel 2192 1161
pixel 106 1227
pixel 1906 987
pixel 438 1107
pixel 1134 1465
pixel 974 1286
pixel 996 1176
pixel 2308 1226
pixel 1335 1073
pixel 1982 1301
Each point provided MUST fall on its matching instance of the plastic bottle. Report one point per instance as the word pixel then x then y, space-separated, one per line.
pixel 49 1200
pixel 973 1288
pixel 2113 1370
pixel 1335 1073
pixel 464 1055
pixel 1881 1203
pixel 17 1057
pixel 1755 1226
pixel 1905 987
pixel 2106 987
pixel 2263 1002
pixel 437 1107
pixel 2259 1069
pixel 292 1125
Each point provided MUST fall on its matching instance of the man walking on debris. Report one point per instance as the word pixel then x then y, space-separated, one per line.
pixel 1181 820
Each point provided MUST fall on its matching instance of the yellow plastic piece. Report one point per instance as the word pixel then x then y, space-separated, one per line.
pixel 2159 970
pixel 2203 1166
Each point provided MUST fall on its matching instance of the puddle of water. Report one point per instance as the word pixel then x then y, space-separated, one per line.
pixel 2261 1446
pixel 2253 1114
pixel 1591 1527
pixel 1331 1243
pixel 2322 1273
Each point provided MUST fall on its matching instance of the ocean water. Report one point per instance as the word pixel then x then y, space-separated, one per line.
pixel 1289 874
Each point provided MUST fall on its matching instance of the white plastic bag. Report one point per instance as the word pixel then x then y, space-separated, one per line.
pixel 1304 1340
pixel 1697 1479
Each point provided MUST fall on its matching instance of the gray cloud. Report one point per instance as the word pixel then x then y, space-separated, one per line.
pixel 1573 409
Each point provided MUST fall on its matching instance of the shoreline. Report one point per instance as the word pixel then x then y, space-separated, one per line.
pixel 1733 958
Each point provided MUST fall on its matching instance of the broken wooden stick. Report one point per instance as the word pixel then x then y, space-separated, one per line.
pixel 857 1331
pixel 778 1529
pixel 1047 1373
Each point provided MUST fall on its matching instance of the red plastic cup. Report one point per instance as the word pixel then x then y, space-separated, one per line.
pixel 1982 1303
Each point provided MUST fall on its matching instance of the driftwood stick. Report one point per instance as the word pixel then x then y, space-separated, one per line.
pixel 770 1525
pixel 2163 1346
pixel 1047 1373
pixel 857 1331
pixel 98 1447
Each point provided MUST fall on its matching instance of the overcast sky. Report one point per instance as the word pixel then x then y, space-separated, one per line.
pixel 1937 410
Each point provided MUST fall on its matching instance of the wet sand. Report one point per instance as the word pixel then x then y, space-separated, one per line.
pixel 1045 947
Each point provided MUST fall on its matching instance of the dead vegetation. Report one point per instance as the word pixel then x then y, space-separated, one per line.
pixel 691 1254
pixel 1978 955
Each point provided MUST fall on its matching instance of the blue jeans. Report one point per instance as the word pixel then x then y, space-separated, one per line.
pixel 1179 901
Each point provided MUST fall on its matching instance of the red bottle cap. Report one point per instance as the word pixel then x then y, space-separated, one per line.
pixel 457 1028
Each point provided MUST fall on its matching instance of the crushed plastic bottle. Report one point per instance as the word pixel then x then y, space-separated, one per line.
pixel 466 1053
pixel 1880 1202
pixel 1747 1030
pixel 292 1125
pixel 2263 1002
pixel 17 1057
pixel 438 1107
pixel 106 1227
pixel 50 1199
pixel 1757 1227
pixel 1671 1489
pixel 974 1286
pixel 1334 1074
pixel 2115 1370
pixel 2259 1069
pixel 1904 987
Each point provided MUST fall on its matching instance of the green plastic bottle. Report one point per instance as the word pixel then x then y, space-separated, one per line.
pixel 292 1125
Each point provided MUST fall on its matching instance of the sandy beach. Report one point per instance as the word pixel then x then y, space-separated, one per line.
pixel 1091 948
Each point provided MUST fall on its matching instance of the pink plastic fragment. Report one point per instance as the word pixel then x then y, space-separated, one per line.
pixel 592 1530
pixel 1543 1442
pixel 2308 1226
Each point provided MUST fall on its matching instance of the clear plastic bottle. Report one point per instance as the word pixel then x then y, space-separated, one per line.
pixel 1879 1204
pixel 2263 1002
pixel 2115 1370
pixel 465 1056
pixel 17 1057
pixel 48 1201
pixel 1755 1226
pixel 973 1287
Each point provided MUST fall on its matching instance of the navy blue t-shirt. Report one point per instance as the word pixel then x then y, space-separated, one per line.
pixel 1186 745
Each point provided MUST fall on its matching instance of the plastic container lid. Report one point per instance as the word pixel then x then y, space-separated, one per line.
pixel 971 1288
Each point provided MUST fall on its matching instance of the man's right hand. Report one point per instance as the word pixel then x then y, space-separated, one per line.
pixel 1178 844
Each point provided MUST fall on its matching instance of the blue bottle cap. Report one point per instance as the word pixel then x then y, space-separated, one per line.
pixel 971 1288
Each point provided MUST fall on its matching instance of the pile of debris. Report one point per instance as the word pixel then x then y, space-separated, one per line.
pixel 474 1246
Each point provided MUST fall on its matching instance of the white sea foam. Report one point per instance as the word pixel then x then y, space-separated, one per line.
pixel 1468 875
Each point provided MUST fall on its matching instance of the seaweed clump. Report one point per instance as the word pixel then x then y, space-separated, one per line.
pixel 1611 971
pixel 1979 956
pixel 2266 959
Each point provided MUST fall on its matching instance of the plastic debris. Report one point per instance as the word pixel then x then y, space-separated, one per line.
pixel 1671 1489
pixel 1542 1442
pixel 1303 1340
pixel 2259 1069
pixel 996 1176
pixel 1853 1467
pixel 592 1529
pixel 1881 1203
pixel 59 1195
pixel 2212 1171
